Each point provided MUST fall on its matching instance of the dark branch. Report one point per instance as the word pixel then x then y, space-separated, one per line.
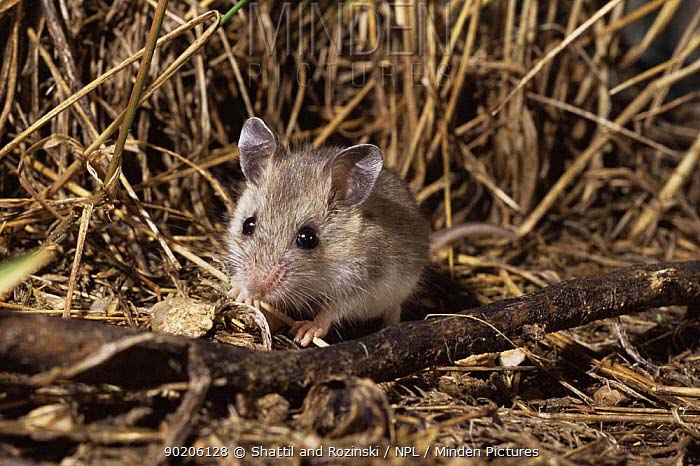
pixel 32 343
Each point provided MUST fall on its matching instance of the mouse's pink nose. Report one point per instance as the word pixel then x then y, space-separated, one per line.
pixel 263 280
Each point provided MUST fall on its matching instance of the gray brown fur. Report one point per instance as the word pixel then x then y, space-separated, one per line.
pixel 370 256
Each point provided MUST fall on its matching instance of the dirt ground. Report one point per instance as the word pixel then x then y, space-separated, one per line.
pixel 567 132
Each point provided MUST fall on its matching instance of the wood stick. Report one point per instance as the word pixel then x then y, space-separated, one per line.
pixel 32 344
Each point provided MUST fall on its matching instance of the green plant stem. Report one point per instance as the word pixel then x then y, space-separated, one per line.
pixel 234 9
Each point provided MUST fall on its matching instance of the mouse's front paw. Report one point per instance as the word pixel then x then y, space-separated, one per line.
pixel 305 331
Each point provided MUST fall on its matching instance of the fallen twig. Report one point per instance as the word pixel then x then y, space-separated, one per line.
pixel 32 343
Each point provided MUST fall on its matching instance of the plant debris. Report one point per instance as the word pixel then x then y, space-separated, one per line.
pixel 569 131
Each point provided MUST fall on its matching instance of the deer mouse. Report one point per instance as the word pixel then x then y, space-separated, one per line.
pixel 328 233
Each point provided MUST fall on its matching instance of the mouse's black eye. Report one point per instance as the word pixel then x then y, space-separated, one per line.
pixel 248 226
pixel 307 238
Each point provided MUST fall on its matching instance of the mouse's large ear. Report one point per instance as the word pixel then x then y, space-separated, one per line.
pixel 353 173
pixel 255 148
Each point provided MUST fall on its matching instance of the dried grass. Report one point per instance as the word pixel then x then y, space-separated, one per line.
pixel 537 117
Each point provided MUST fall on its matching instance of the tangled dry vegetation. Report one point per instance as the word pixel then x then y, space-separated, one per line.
pixel 574 125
